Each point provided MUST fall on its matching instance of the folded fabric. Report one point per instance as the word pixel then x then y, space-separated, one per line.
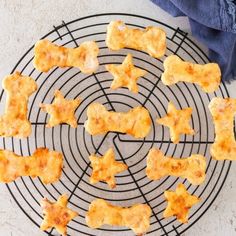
pixel 212 22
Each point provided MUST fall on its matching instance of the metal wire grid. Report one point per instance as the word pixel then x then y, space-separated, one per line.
pixel 76 145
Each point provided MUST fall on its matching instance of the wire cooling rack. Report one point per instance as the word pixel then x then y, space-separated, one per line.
pixel 76 145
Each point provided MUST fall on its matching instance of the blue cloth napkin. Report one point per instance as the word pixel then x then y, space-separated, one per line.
pixel 213 22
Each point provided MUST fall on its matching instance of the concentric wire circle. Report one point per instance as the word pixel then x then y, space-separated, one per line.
pixel 76 144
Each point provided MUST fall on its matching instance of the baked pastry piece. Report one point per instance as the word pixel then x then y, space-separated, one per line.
pixel 14 121
pixel 151 40
pixel 47 55
pixel 207 76
pixel 177 121
pixel 136 122
pixel 223 111
pixel 179 203
pixel 126 74
pixel 57 214
pixel 192 168
pixel 136 217
pixel 61 110
pixel 105 168
pixel 45 164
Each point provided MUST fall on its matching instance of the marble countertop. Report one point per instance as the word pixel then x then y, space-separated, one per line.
pixel 22 22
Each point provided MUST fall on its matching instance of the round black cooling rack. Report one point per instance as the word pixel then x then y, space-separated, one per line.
pixel 76 144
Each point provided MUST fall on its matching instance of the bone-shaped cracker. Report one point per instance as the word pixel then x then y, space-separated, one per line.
pixel 61 110
pixel 47 55
pixel 105 168
pixel 179 203
pixel 136 122
pixel 207 76
pixel 14 121
pixel 45 164
pixel 57 214
pixel 192 168
pixel 136 217
pixel 223 112
pixel 151 40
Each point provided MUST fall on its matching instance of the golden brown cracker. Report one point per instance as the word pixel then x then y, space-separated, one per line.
pixel 207 76
pixel 136 217
pixel 57 214
pixel 223 111
pixel 126 74
pixel 192 168
pixel 14 121
pixel 136 122
pixel 61 110
pixel 177 121
pixel 47 55
pixel 105 168
pixel 151 40
pixel 45 164
pixel 179 203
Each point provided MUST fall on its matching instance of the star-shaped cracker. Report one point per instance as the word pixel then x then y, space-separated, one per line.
pixel 105 168
pixel 61 110
pixel 177 121
pixel 126 74
pixel 57 214
pixel 179 203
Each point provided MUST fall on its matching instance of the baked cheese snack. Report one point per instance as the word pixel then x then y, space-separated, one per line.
pixel 57 214
pixel 47 55
pixel 207 76
pixel 136 122
pixel 45 164
pixel 223 111
pixel 14 121
pixel 151 40
pixel 179 203
pixel 126 74
pixel 61 110
pixel 105 168
pixel 136 217
pixel 177 121
pixel 192 168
